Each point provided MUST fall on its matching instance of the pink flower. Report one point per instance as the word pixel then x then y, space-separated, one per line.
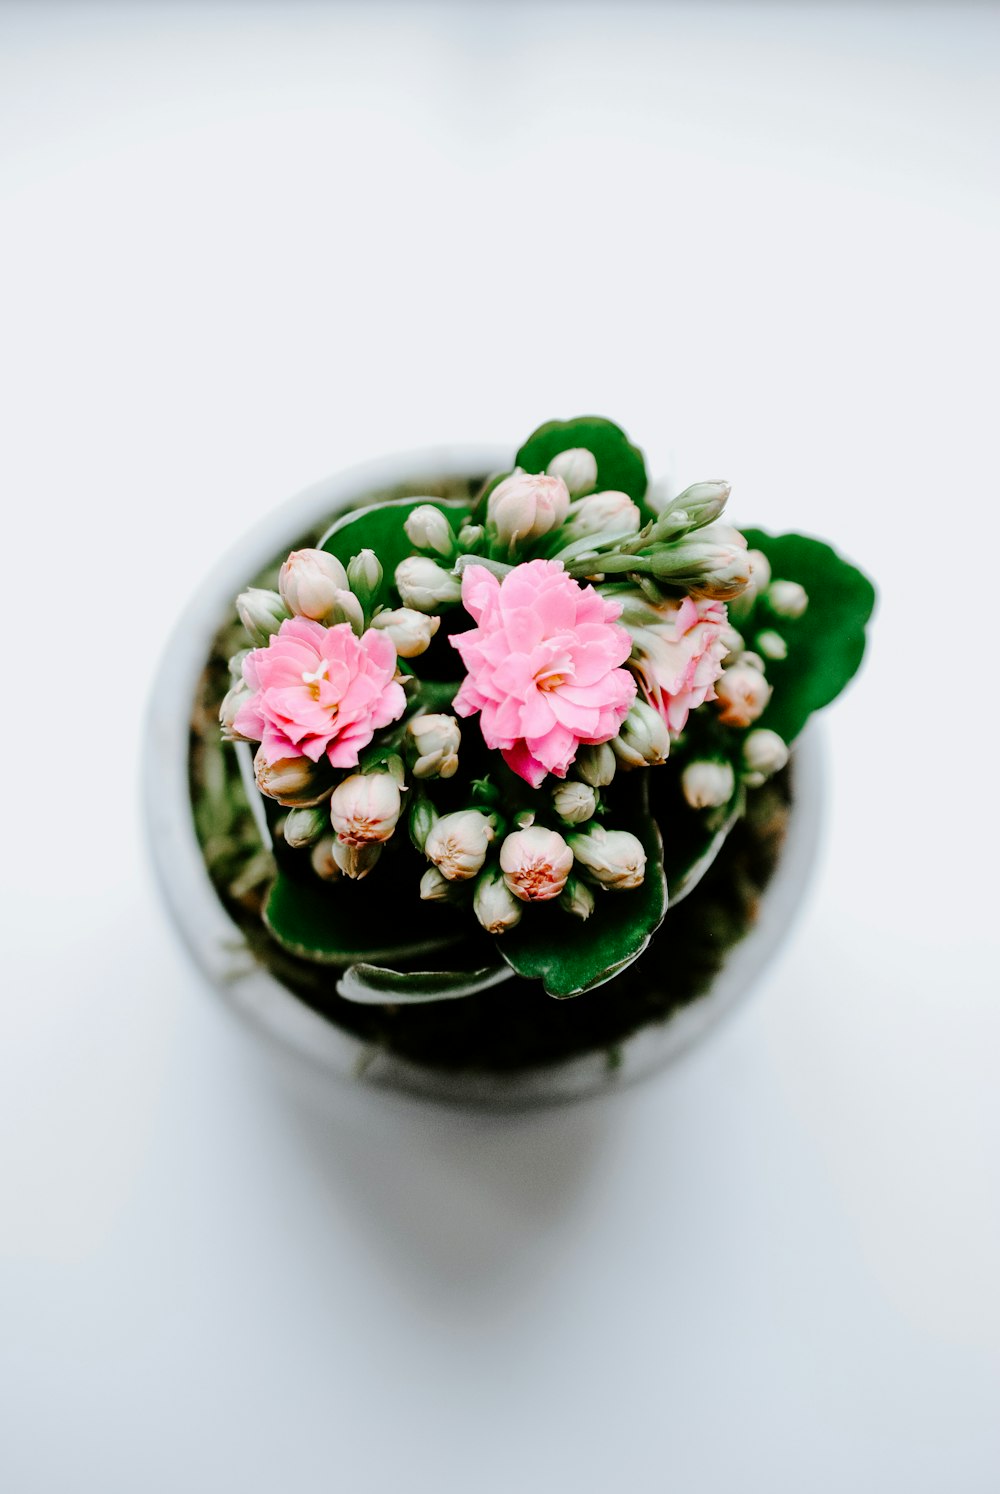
pixel 320 690
pixel 677 654
pixel 543 666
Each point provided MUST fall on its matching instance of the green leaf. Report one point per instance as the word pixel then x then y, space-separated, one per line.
pixel 568 958
pixel 342 923
pixel 688 857
pixel 379 527
pixel 376 985
pixel 825 644
pixel 620 465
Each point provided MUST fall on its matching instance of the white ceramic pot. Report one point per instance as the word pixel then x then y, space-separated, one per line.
pixel 280 1016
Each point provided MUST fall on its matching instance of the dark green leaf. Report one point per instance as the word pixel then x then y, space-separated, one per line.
pixel 825 644
pixel 341 923
pixel 620 465
pixel 569 957
pixel 688 858
pixel 380 528
pixel 375 985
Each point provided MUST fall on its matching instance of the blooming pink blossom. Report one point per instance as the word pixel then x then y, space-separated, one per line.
pixel 319 691
pixel 678 656
pixel 543 666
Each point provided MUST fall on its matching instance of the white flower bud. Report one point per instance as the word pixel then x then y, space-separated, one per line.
pixel 434 741
pixel 303 826
pixel 743 693
pixel 615 858
pixel 261 613
pixel 787 598
pixel 644 739
pixel 494 904
pixel 322 860
pixel 595 765
pixel 347 608
pixel 236 664
pixel 577 467
pixel 764 753
pixel 410 631
pixel 574 801
pixel 356 861
pixel 293 781
pixel 470 535
pixel 308 582
pixel 524 506
pixel 772 645
pixel 425 585
pixel 760 570
pixel 457 843
pixel 364 575
pixel 609 512
pixel 428 529
pixel 753 661
pixel 535 863
pixel 235 697
pixel 577 898
pixel 434 888
pixel 365 808
pixel 708 783
pixel 732 641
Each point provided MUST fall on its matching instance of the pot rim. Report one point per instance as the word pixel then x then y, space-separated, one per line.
pixel 217 945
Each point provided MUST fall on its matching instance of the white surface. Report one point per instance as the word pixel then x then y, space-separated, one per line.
pixel 244 247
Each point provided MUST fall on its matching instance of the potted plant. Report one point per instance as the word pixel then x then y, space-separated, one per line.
pixel 507 800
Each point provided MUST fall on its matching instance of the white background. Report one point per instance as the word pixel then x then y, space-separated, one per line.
pixel 245 246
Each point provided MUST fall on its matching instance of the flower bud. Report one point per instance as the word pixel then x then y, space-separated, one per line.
pixel 577 898
pixel 347 608
pixel 261 613
pixel 494 904
pixel 743 693
pixel 425 585
pixel 434 888
pixel 356 861
pixel 428 529
pixel 410 631
pixel 308 582
pixel 303 826
pixel 608 512
pixel 235 697
pixel 615 858
pixel 595 765
pixel 434 741
pixel 322 860
pixel 292 781
pixel 760 570
pixel 457 843
pixel 644 739
pixel 787 598
pixel 364 576
pixel 764 753
pixel 707 783
pixel 535 863
pixel 707 564
pixel 574 801
pixel 524 506
pixel 470 536
pixel 423 817
pixel 698 505
pixel 772 645
pixel 578 469
pixel 236 663
pixel 365 808
pixel 732 641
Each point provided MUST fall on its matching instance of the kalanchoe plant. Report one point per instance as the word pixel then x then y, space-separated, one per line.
pixel 454 711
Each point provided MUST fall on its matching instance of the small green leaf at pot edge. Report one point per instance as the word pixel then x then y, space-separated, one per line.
pixel 377 985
